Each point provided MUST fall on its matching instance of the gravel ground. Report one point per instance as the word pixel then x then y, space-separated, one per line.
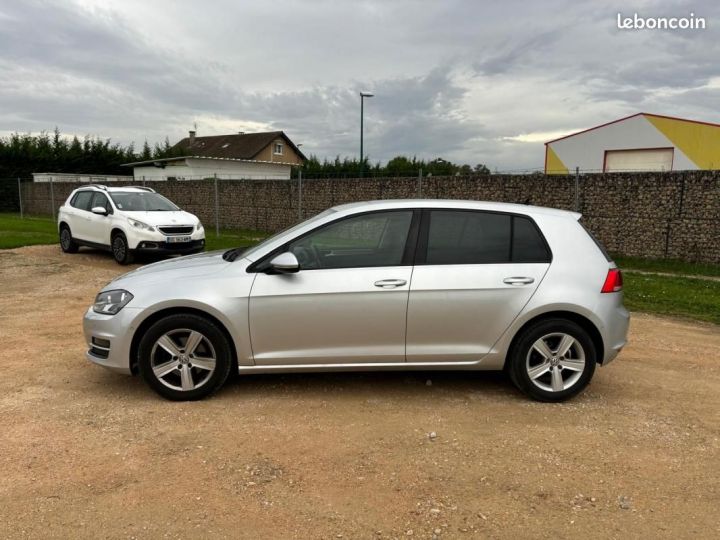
pixel 86 453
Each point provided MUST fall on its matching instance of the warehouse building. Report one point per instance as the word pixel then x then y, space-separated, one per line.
pixel 641 142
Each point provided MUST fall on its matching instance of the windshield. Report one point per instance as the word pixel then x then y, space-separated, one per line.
pixel 289 230
pixel 141 201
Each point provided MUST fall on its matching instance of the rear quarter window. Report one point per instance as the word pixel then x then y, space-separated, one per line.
pixel 528 244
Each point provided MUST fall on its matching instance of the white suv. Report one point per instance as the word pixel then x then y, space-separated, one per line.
pixel 125 221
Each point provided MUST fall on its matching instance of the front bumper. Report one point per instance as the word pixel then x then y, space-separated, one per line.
pixel 113 337
pixel 166 248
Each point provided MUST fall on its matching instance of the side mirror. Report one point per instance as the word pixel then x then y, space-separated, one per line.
pixel 99 210
pixel 285 263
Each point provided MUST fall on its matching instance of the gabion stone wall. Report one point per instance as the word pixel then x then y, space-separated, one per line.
pixel 658 215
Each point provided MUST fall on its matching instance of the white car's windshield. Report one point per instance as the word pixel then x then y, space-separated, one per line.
pixel 133 201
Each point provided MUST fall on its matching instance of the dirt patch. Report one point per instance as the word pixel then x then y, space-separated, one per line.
pixel 86 453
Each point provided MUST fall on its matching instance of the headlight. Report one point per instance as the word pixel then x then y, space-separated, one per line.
pixel 199 226
pixel 110 302
pixel 140 225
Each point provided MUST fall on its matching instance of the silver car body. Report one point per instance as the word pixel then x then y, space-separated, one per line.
pixel 429 317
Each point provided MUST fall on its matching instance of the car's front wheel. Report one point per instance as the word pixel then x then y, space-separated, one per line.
pixel 184 357
pixel 121 250
pixel 552 360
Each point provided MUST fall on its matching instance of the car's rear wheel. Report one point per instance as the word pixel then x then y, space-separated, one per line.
pixel 121 250
pixel 552 360
pixel 67 244
pixel 184 357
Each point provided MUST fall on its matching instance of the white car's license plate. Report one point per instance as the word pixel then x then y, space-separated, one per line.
pixel 177 239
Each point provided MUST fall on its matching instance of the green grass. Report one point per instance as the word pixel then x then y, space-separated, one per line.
pixel 16 232
pixel 232 238
pixel 691 298
pixel 668 266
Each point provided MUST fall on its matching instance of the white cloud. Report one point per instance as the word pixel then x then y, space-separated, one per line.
pixel 468 81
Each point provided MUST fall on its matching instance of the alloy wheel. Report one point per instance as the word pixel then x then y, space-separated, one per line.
pixel 555 362
pixel 65 239
pixel 183 359
pixel 119 248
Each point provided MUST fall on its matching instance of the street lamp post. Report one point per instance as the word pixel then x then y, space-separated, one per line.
pixel 363 95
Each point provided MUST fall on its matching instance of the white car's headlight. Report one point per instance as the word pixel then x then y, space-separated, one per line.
pixel 140 225
pixel 199 226
pixel 110 302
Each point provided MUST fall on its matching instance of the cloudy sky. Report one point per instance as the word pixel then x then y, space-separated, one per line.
pixel 470 81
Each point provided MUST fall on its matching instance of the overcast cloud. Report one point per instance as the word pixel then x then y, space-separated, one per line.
pixel 469 81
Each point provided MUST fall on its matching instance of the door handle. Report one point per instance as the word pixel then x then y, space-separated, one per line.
pixel 390 283
pixel 518 280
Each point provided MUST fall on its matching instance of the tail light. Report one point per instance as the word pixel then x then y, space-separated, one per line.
pixel 613 281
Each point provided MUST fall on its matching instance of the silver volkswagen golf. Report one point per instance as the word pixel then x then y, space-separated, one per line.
pixel 396 285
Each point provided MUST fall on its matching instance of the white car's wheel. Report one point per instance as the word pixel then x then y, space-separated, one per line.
pixel 120 249
pixel 67 244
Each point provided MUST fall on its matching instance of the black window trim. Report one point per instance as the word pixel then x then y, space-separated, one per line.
pixel 261 266
pixel 422 241
pixel 77 194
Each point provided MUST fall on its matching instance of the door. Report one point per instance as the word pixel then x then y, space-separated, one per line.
pixel 348 302
pixel 644 159
pixel 79 222
pixel 99 225
pixel 474 273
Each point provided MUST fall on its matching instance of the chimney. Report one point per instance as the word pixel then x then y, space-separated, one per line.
pixel 192 136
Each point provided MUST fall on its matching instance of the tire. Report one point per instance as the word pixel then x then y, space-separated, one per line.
pixel 184 379
pixel 67 244
pixel 561 368
pixel 120 249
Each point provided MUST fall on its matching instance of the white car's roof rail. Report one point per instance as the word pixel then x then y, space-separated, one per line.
pixel 99 186
pixel 151 190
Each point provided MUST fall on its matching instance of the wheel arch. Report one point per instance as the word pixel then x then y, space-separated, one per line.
pixel 115 230
pixel 177 310
pixel 582 321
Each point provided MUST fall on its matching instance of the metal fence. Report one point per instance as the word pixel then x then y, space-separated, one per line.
pixel 657 215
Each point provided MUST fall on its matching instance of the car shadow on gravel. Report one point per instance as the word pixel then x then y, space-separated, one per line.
pixel 407 386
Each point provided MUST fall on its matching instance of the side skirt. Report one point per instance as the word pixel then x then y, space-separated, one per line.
pixel 398 366
pixel 93 245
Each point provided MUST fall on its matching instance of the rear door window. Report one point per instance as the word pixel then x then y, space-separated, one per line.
pixel 468 237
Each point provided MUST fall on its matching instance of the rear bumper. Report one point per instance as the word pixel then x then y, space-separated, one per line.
pixel 617 320
pixel 166 248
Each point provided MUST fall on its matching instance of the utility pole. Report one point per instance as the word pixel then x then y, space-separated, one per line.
pixel 217 207
pixel 299 194
pixel 20 197
pixel 363 95
pixel 577 189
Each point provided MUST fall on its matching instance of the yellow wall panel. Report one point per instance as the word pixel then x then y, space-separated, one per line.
pixel 699 142
pixel 553 164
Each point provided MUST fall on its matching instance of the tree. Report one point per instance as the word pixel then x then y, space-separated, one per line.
pixel 481 169
pixel 146 153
